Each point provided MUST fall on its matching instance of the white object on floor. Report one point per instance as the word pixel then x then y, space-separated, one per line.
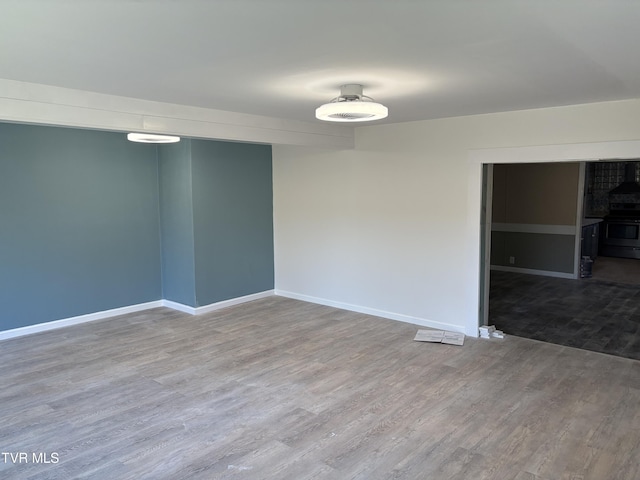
pixel 490 331
pixel 440 336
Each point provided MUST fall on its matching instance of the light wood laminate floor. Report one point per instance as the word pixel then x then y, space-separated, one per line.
pixel 282 389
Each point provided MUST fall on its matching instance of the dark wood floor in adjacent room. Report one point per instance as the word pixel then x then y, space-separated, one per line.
pixel 601 313
pixel 282 389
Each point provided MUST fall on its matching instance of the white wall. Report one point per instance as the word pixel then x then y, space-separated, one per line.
pixel 392 227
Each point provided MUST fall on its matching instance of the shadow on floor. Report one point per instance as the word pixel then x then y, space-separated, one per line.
pixel 592 314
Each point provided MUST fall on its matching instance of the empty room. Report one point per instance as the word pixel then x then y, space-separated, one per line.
pixel 223 224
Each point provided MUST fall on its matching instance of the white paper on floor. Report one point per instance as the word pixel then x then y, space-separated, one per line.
pixel 440 336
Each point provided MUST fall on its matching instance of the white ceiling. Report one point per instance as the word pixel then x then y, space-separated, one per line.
pixel 282 58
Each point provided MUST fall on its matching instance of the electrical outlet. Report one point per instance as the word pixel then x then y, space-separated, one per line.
pixel 512 260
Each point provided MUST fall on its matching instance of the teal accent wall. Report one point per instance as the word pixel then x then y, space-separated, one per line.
pixel 233 219
pixel 91 222
pixel 176 220
pixel 79 229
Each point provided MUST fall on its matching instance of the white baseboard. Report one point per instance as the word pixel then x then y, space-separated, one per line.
pixel 423 322
pixel 181 307
pixel 42 327
pixel 544 273
pixel 66 322
pixel 218 305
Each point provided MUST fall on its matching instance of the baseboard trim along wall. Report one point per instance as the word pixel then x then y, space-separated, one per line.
pixel 90 317
pixel 218 305
pixel 378 313
pixel 66 322
pixel 544 273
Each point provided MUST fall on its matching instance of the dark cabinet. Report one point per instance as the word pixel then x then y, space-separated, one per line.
pixel 590 236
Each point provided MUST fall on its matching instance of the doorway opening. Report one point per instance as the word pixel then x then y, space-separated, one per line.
pixel 597 313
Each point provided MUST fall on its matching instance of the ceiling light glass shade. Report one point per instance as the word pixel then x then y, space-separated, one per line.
pixel 151 138
pixel 351 106
pixel 351 111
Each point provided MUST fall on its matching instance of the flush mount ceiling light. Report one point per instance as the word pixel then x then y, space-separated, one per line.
pixel 351 106
pixel 151 138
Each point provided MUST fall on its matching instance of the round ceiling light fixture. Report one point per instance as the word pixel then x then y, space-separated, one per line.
pixel 351 106
pixel 151 138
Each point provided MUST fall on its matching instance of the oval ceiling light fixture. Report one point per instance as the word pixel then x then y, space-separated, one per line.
pixel 351 106
pixel 151 138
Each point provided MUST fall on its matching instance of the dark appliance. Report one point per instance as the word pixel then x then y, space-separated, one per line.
pixel 621 231
pixel 620 235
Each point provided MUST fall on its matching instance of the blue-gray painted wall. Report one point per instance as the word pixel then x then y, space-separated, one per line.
pixel 233 221
pixel 92 222
pixel 176 221
pixel 78 232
